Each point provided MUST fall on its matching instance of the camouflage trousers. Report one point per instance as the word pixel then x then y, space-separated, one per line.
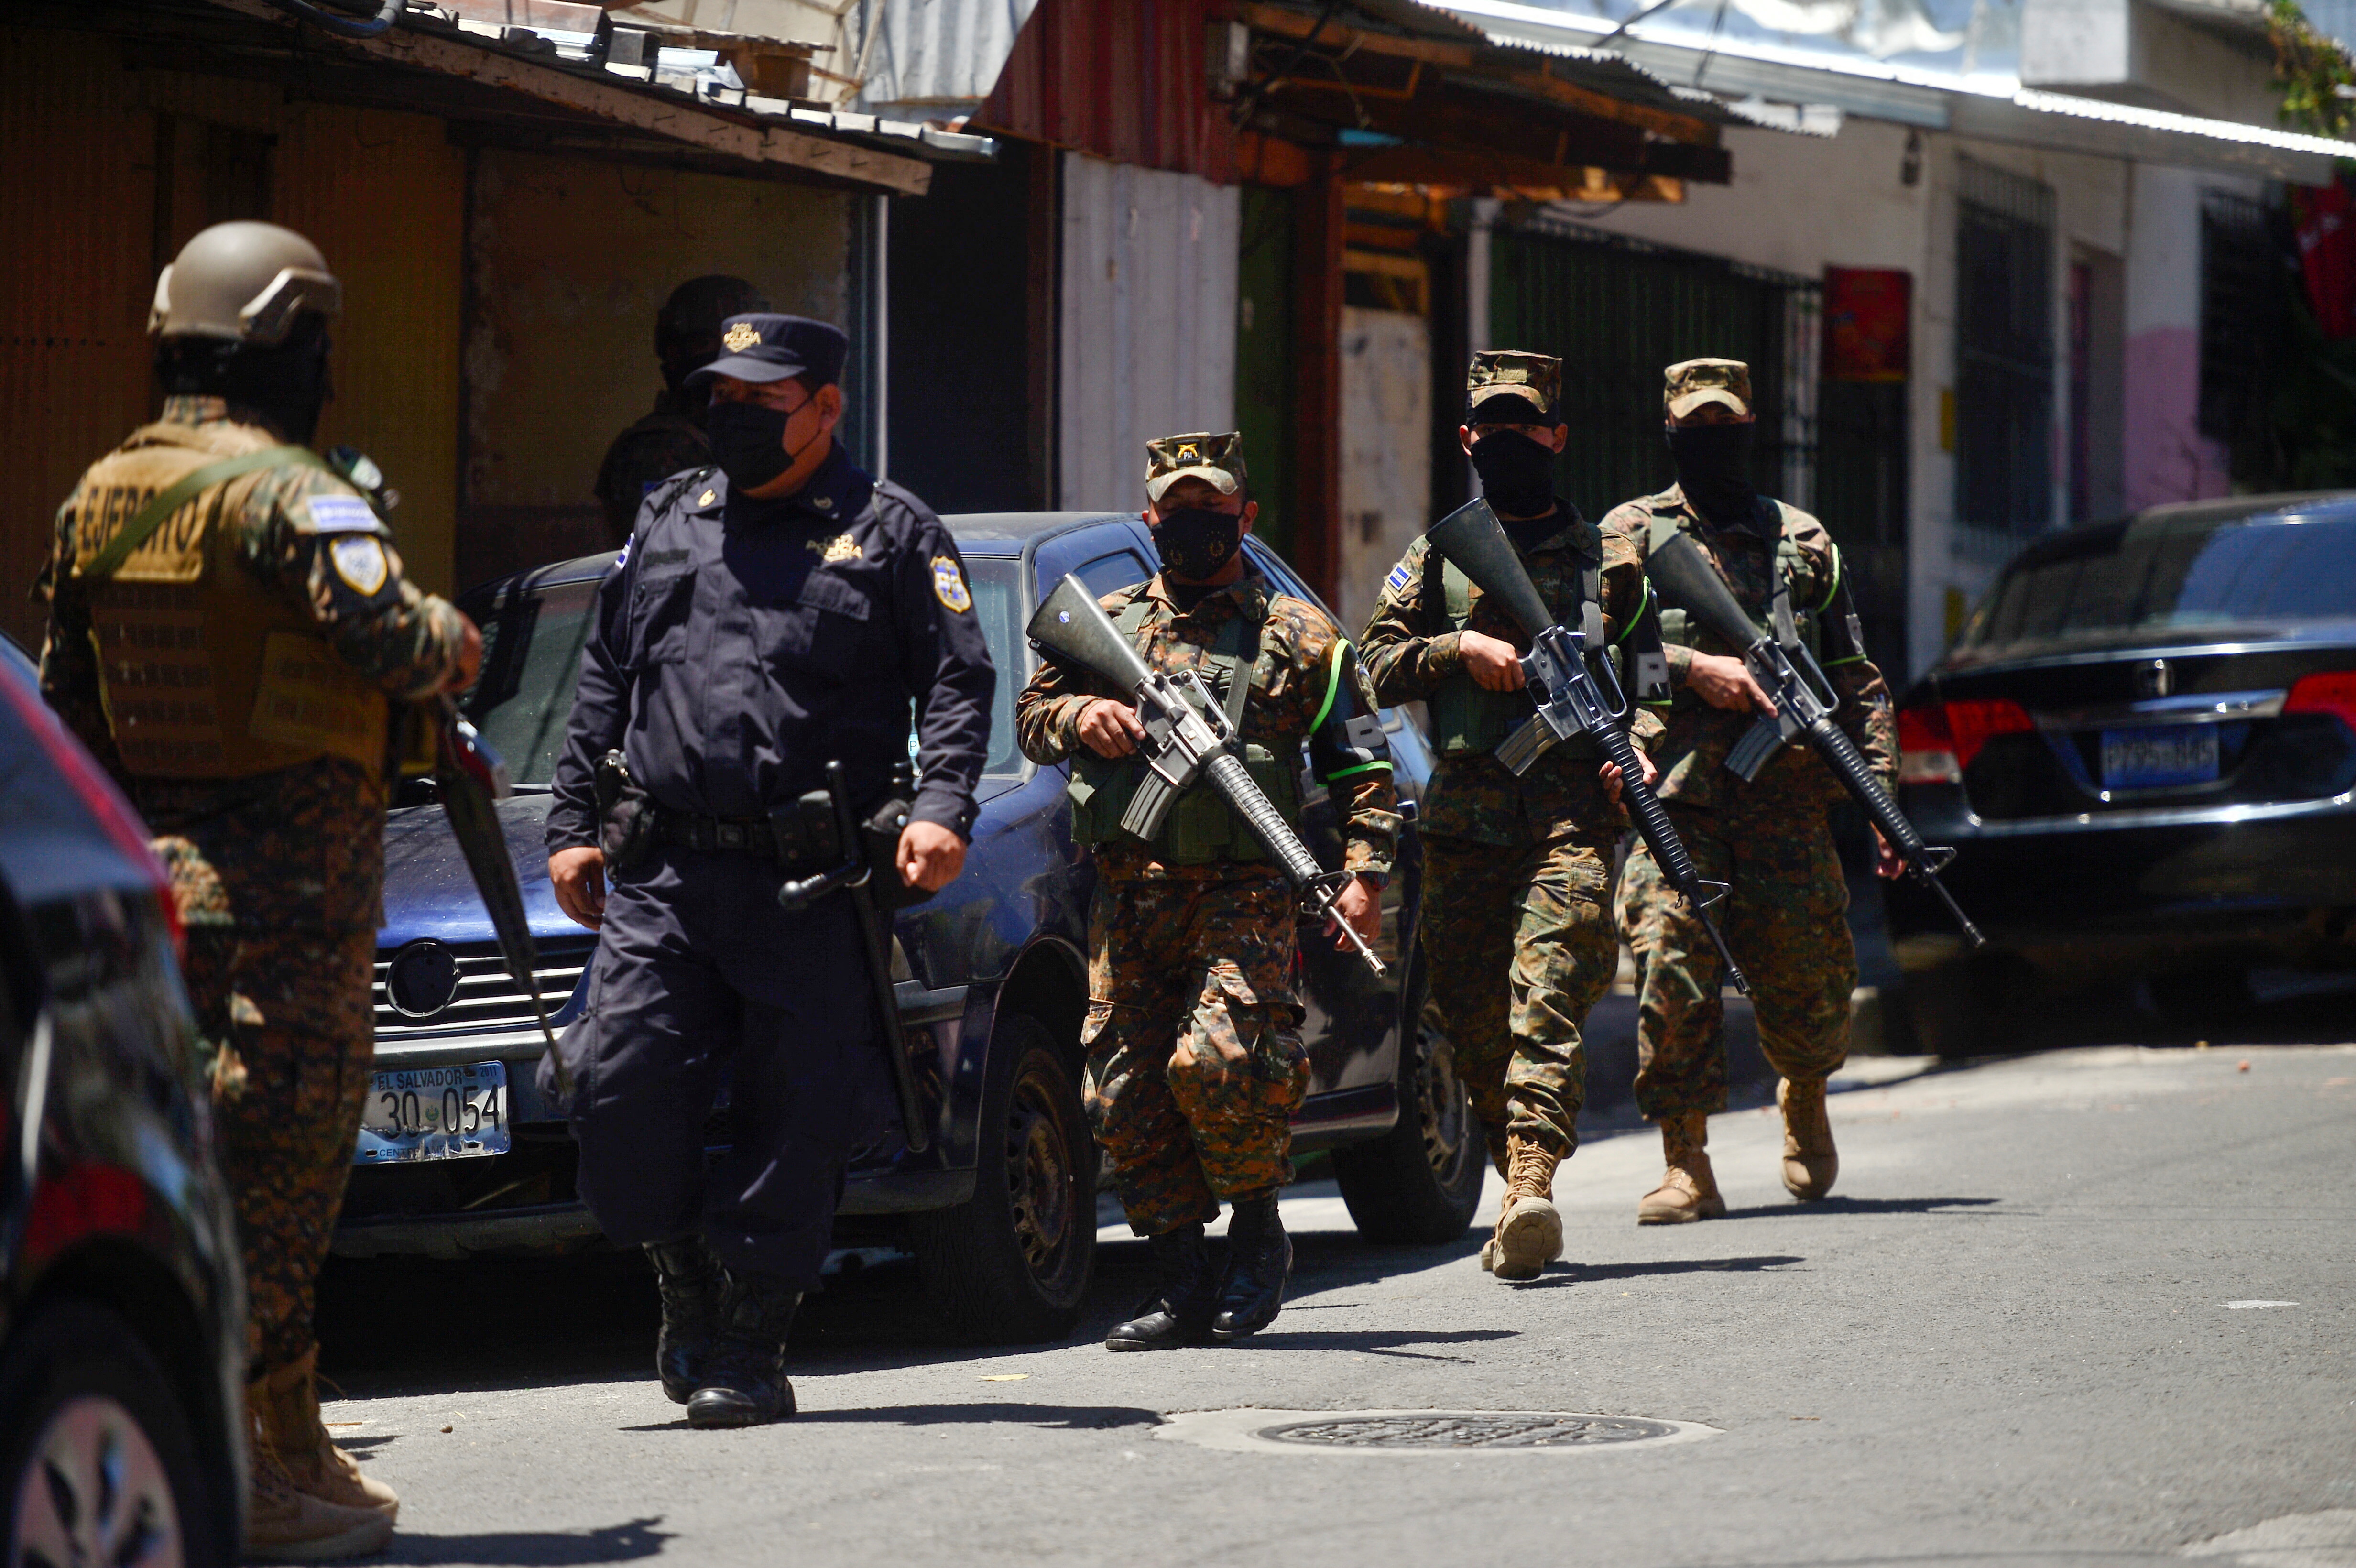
pixel 1520 947
pixel 1196 1064
pixel 286 1021
pixel 1786 922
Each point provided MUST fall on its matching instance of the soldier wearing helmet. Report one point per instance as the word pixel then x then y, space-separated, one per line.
pixel 230 630
pixel 671 438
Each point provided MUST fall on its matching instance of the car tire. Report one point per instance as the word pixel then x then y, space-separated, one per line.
pixel 80 1394
pixel 1011 1265
pixel 1419 1184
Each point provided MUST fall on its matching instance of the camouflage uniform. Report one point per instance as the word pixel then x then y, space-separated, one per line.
pixel 1517 869
pixel 1195 1063
pixel 668 440
pixel 278 875
pixel 1786 918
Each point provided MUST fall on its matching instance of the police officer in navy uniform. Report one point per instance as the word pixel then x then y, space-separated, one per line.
pixel 769 614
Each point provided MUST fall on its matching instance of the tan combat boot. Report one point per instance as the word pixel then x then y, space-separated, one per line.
pixel 1810 1161
pixel 285 1524
pixel 1529 1230
pixel 285 1405
pixel 1690 1190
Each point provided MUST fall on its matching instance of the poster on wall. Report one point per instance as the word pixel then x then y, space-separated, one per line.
pixel 1866 314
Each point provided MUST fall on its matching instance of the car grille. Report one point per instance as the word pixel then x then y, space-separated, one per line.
pixel 488 998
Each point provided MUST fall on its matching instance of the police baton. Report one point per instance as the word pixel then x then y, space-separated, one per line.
pixel 855 877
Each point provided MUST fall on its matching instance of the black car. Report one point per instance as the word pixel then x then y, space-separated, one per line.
pixel 1001 1210
pixel 121 1307
pixel 2143 745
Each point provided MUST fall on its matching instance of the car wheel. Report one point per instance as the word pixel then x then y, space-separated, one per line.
pixel 1011 1265
pixel 100 1465
pixel 1417 1184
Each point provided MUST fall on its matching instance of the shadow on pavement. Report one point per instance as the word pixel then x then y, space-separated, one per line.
pixel 525 1548
pixel 1837 1205
pixel 1044 1417
pixel 1375 1341
pixel 1596 1273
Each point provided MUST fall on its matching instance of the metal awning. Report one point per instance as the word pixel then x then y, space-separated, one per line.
pixel 1987 106
pixel 686 99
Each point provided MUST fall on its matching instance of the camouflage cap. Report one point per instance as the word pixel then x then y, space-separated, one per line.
pixel 1218 460
pixel 1690 383
pixel 1502 374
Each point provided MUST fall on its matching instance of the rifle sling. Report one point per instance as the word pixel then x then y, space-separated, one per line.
pixel 102 566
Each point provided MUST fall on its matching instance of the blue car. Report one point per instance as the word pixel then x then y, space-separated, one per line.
pixel 461 1155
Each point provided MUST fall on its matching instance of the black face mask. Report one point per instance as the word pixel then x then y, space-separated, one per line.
pixel 1714 470
pixel 748 441
pixel 1197 542
pixel 1516 473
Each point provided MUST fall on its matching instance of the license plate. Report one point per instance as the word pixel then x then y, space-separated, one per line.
pixel 435 1112
pixel 2168 758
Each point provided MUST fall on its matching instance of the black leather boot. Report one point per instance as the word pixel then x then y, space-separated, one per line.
pixel 1260 1259
pixel 690 1281
pixel 743 1382
pixel 1180 1312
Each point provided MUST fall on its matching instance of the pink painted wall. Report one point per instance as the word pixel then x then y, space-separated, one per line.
pixel 2167 459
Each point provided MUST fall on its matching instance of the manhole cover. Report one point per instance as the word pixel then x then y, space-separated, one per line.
pixel 1452 1429
pixel 1424 1431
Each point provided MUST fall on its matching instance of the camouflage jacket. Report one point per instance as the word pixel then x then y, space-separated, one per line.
pixel 668 441
pixel 1409 650
pixel 1298 645
pixel 1692 755
pixel 302 846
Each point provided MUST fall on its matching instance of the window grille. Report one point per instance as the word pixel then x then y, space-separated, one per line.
pixel 2004 350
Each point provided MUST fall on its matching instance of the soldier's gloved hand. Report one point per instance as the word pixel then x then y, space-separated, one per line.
pixel 1724 681
pixel 1491 661
pixel 1110 729
pixel 930 856
pixel 578 875
pixel 1611 773
pixel 1362 907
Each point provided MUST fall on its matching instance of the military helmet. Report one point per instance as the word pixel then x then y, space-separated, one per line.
pixel 244 283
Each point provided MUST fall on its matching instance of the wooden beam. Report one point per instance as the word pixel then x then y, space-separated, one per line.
pixel 1318 226
pixel 1482 59
pixel 661 113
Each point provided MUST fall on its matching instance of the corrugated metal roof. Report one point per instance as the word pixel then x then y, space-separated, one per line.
pixel 540 61
pixel 1122 79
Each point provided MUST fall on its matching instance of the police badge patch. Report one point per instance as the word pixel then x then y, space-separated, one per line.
pixel 359 561
pixel 948 585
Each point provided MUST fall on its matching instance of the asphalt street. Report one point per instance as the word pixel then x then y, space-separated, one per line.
pixel 2088 1307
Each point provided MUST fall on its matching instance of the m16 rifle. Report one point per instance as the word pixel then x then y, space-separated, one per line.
pixel 1188 740
pixel 1569 688
pixel 1805 703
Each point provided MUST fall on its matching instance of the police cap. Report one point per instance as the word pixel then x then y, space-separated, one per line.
pixel 764 348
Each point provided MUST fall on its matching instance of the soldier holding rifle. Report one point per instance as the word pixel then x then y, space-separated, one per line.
pixel 1518 865
pixel 1766 834
pixel 771 616
pixel 1195 1063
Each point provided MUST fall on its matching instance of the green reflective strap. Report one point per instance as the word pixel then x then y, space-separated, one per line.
pixel 1837 583
pixel 1836 664
pixel 1333 684
pixel 1361 768
pixel 107 562
pixel 1644 585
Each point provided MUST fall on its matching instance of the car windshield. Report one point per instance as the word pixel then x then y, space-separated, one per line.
pixel 531 658
pixel 2163 574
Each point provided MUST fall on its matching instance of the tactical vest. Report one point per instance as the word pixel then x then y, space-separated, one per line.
pixel 1784 622
pixel 1467 716
pixel 1200 827
pixel 204 673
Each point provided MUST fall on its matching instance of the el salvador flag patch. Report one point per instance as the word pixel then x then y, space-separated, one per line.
pixel 1397 581
pixel 341 514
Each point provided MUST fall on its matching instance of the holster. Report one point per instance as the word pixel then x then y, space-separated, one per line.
pixel 626 818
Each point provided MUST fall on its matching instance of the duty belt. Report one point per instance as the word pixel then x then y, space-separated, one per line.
pixel 725 834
